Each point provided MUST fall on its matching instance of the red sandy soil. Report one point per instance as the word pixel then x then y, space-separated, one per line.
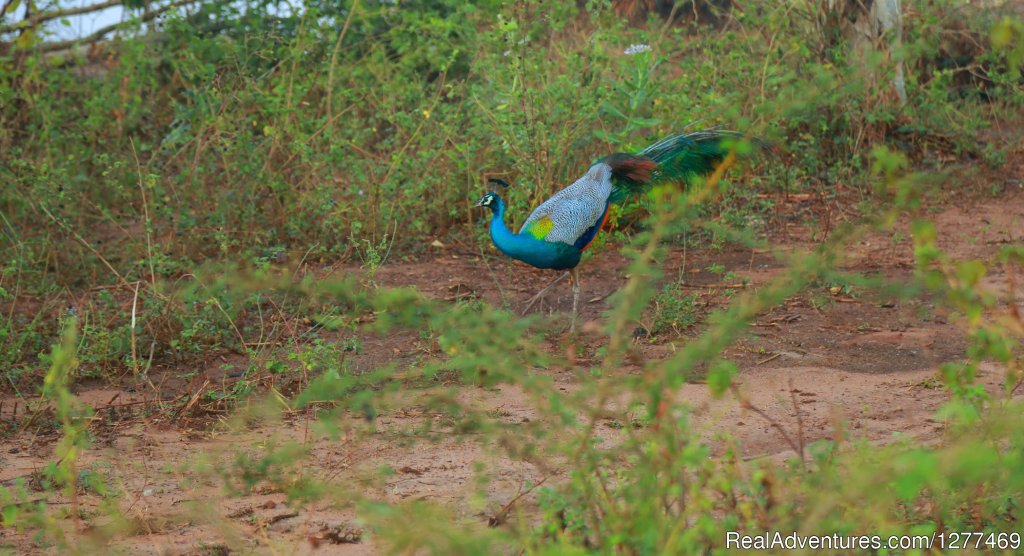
pixel 868 361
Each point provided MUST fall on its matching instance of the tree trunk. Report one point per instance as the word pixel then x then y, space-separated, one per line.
pixel 867 26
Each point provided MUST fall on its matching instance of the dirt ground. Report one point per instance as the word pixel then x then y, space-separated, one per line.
pixel 866 360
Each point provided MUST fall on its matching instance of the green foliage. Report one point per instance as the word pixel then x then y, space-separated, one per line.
pixel 169 204
pixel 389 125
pixel 1008 35
pixel 673 309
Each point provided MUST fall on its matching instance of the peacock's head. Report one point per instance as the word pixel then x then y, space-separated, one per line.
pixel 490 200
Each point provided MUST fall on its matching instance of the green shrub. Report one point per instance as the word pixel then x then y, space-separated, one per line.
pixel 169 199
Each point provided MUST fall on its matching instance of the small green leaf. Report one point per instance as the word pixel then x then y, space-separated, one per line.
pixel 26 39
pixel 919 468
pixel 329 322
pixel 276 367
pixel 971 272
pixel 720 377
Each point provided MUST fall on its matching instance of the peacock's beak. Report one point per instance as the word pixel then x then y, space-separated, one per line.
pixel 481 202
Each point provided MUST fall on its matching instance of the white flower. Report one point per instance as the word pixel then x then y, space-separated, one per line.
pixel 635 49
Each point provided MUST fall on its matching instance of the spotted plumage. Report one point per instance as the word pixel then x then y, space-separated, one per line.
pixel 557 232
pixel 573 210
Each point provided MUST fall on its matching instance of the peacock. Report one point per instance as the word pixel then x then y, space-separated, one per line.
pixel 557 232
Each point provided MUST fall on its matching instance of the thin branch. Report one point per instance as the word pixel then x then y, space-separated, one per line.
pixel 502 515
pixel 145 212
pixel 7 6
pixel 135 353
pixel 35 20
pixel 334 58
pixel 86 244
pixel 797 447
pixel 799 423
pixel 100 33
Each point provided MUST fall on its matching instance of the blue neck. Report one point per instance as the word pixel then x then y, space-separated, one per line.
pixel 524 247
pixel 500 234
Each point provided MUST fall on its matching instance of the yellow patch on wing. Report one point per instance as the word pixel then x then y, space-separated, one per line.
pixel 541 228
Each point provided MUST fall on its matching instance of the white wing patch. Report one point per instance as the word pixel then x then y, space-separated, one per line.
pixel 577 207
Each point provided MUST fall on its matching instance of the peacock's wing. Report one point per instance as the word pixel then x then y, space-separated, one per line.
pixel 571 215
pixel 574 215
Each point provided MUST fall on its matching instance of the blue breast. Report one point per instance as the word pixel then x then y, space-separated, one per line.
pixel 534 252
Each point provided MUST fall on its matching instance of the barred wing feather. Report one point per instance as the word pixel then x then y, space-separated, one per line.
pixel 573 211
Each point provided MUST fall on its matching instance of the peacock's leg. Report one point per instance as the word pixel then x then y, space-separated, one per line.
pixel 541 293
pixel 575 297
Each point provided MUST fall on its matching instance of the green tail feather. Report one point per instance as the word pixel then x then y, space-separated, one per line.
pixel 679 158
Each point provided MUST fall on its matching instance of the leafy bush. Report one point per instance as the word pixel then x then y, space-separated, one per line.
pixel 673 309
pixel 175 191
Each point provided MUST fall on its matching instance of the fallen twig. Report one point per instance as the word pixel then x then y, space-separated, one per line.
pixel 797 447
pixel 500 517
pixel 714 286
pixel 191 403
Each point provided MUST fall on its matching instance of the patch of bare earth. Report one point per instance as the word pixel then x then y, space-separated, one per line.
pixel 828 360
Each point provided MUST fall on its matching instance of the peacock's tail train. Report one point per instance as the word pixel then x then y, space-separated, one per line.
pixel 678 158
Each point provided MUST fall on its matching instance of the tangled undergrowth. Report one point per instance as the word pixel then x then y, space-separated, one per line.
pixel 180 193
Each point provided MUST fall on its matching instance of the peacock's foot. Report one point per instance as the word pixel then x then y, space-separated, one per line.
pixel 541 293
pixel 530 304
